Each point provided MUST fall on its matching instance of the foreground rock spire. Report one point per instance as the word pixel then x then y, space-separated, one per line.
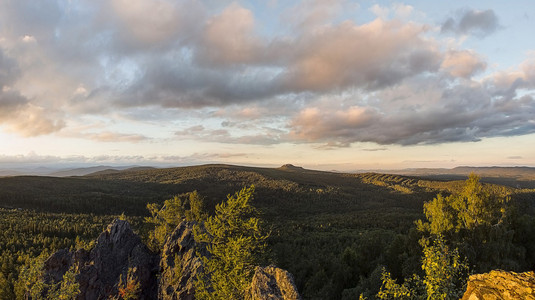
pixel 119 256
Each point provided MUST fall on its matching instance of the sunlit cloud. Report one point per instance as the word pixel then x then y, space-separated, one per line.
pixel 463 64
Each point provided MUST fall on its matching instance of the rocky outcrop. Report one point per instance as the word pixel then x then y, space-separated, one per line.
pixel 180 264
pixel 117 251
pixel 119 257
pixel 272 283
pixel 57 265
pixel 500 285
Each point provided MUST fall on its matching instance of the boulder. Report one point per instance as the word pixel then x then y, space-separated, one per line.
pixel 500 285
pixel 272 283
pixel 180 264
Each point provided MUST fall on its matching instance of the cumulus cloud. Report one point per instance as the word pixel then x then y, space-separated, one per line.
pixel 149 22
pixel 374 55
pixel 32 120
pixel 521 77
pixel 315 124
pixel 199 132
pixel 16 111
pixel 228 38
pixel 477 22
pixel 463 63
pixel 419 113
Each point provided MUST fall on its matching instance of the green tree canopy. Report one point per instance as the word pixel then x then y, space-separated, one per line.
pixel 475 221
pixel 235 243
pixel 166 217
pixel 445 275
pixel 473 207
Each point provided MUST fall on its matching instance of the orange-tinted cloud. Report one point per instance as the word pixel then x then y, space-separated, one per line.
pixel 373 55
pixel 463 63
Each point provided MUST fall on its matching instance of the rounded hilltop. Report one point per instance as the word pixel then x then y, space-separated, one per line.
pixel 290 167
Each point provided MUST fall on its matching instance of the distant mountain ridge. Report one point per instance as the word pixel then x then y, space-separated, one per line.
pixel 519 172
pixel 68 172
pixel 520 176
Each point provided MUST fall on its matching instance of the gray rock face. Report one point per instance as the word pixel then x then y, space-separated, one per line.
pixel 179 264
pixel 498 285
pixel 272 283
pixel 100 271
pixel 57 265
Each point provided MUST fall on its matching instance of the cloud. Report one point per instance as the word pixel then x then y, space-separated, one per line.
pixel 374 55
pixel 108 136
pixel 199 132
pixel 399 10
pixel 521 77
pixel 9 70
pixel 375 149
pixel 105 136
pixel 228 38
pixel 313 124
pixel 308 16
pixel 34 159
pixel 150 25
pixel 476 22
pixel 16 111
pixel 419 112
pixel 515 157
pixel 464 63
pixel 38 18
pixel 32 120
pixel 219 71
pixel 149 22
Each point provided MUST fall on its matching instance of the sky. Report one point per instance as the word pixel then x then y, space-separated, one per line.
pixel 323 84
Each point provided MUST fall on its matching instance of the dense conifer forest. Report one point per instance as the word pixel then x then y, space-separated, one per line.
pixel 340 235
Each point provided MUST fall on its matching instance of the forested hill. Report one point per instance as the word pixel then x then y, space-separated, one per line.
pixel 278 189
pixel 519 177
